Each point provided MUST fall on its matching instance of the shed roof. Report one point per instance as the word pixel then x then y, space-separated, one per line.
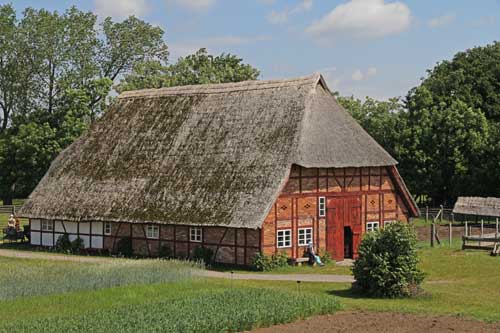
pixel 477 206
pixel 203 155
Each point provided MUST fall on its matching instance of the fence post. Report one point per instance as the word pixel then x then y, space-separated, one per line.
pixel 466 229
pixel 450 234
pixel 496 231
pixel 452 217
pixel 426 214
pixel 442 213
pixel 433 231
pixel 482 230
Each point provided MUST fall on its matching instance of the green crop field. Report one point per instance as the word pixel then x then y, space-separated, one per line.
pixel 162 295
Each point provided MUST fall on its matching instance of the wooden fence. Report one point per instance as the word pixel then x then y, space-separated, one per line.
pixel 11 209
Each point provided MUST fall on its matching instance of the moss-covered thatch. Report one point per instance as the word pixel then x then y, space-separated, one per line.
pixel 204 155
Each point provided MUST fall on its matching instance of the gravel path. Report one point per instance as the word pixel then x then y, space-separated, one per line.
pixel 202 273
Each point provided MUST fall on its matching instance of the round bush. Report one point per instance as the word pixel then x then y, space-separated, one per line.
pixel 387 263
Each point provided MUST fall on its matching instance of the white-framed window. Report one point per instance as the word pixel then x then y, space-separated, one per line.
pixel 152 231
pixel 305 236
pixel 389 222
pixel 371 226
pixel 47 225
pixel 322 206
pixel 284 238
pixel 107 228
pixel 195 234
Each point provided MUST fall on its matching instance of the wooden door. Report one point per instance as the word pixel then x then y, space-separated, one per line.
pixel 343 212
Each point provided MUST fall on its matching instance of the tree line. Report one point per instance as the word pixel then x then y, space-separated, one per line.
pixel 59 72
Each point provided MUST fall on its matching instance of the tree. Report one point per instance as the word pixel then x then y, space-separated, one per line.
pixel 56 71
pixel 452 139
pixel 198 68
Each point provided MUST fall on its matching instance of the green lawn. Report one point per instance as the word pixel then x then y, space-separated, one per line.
pixel 331 268
pixel 458 282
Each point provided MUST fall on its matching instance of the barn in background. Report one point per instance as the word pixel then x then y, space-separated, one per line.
pixel 240 168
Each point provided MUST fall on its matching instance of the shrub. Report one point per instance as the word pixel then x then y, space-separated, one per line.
pixel 77 245
pixel 203 254
pixel 325 256
pixel 165 252
pixel 63 244
pixel 124 247
pixel 387 263
pixel 265 263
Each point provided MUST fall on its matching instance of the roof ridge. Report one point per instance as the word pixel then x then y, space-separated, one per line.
pixel 215 88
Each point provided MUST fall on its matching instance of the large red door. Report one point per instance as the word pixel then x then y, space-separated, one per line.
pixel 343 219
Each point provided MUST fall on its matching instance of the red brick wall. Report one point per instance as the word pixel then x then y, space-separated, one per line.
pixel 230 245
pixel 297 205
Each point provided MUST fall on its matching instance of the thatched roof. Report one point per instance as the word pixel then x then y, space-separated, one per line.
pixel 477 206
pixel 207 155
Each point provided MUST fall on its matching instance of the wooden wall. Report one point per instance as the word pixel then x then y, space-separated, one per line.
pixel 297 205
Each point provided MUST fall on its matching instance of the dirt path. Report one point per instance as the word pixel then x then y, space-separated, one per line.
pixel 378 322
pixel 202 273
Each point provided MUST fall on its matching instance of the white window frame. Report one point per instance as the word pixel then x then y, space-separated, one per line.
pixel 307 236
pixel 389 222
pixel 195 234
pixel 152 231
pixel 286 241
pixel 47 225
pixel 321 206
pixel 372 226
pixel 106 228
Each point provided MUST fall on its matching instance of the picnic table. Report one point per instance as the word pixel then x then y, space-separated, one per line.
pixel 11 234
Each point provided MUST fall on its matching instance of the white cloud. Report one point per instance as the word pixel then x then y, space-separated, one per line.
pixel 363 19
pixel 359 75
pixel 441 21
pixel 195 4
pixel 280 17
pixel 121 8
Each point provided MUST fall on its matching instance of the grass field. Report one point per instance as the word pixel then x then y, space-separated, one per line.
pixel 463 283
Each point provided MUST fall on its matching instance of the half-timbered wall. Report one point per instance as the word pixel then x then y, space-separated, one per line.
pixel 297 205
pixel 230 245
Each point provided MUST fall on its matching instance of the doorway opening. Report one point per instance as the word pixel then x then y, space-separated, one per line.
pixel 348 250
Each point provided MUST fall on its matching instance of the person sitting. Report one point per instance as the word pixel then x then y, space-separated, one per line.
pixel 313 257
pixel 17 225
pixel 11 223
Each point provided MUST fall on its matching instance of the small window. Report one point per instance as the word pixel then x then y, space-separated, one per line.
pixel 47 225
pixel 195 234
pixel 305 236
pixel 322 206
pixel 371 226
pixel 284 238
pixel 153 231
pixel 107 228
pixel 389 222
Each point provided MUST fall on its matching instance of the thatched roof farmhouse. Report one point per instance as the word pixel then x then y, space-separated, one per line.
pixel 221 158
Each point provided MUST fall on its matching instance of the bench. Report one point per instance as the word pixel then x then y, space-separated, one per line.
pixel 300 261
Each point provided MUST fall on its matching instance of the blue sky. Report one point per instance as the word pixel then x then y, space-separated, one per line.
pixel 371 48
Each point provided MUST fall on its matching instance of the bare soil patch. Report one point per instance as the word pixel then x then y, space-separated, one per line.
pixel 377 322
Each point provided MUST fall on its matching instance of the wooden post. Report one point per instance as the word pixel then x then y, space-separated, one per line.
pixel 433 231
pixel 482 230
pixel 441 216
pixel 466 229
pixel 496 231
pixel 426 214
pixel 452 217
pixel 450 233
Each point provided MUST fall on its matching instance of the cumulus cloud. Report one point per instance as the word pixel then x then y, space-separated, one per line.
pixel 195 4
pixel 363 19
pixel 441 21
pixel 280 17
pixel 121 8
